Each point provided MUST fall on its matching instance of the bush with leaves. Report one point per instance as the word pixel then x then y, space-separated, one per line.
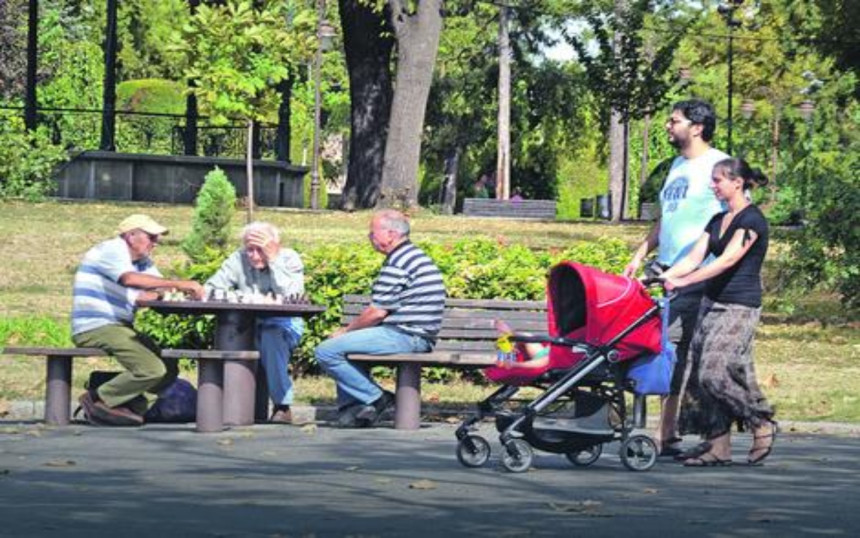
pixel 210 227
pixel 27 160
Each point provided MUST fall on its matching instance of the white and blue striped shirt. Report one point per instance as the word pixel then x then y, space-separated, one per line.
pixel 410 288
pixel 98 297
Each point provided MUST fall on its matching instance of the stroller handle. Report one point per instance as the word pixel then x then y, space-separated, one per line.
pixel 547 339
pixel 654 280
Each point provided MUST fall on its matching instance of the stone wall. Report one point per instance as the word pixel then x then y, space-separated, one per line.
pixel 102 175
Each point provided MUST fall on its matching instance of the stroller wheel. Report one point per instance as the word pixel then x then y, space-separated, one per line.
pixel 585 457
pixel 473 451
pixel 639 453
pixel 518 456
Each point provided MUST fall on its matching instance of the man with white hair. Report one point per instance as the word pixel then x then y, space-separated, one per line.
pixel 261 266
pixel 404 316
pixel 113 277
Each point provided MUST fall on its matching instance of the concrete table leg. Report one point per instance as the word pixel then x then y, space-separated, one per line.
pixel 210 382
pixel 407 414
pixel 235 332
pixel 59 390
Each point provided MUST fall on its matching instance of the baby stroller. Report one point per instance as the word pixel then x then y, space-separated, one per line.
pixel 599 326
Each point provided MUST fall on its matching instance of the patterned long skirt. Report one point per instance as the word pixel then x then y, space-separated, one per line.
pixel 720 386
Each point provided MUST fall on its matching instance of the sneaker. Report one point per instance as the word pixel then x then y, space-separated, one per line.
pixel 346 416
pixel 282 415
pixel 372 412
pixel 99 413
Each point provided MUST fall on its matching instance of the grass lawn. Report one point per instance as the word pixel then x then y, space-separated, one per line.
pixel 807 363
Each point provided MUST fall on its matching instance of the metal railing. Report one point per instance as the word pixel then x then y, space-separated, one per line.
pixel 147 132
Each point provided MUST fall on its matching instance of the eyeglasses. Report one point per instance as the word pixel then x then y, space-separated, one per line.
pixel 676 121
pixel 153 238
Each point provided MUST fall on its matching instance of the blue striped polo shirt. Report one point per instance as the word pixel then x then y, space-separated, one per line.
pixel 410 288
pixel 98 297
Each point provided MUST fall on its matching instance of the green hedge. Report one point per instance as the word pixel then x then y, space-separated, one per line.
pixel 472 268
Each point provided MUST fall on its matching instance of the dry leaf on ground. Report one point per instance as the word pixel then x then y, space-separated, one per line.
pixel 309 429
pixel 60 463
pixel 423 484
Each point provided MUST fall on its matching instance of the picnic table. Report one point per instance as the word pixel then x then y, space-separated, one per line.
pixel 235 322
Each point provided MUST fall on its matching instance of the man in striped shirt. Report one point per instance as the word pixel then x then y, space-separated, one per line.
pixel 404 316
pixel 112 278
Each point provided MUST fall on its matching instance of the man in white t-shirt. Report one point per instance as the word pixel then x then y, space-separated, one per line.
pixel 687 203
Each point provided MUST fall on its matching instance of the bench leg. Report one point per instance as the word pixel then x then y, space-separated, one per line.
pixel 407 414
pixel 210 383
pixel 240 385
pixel 58 391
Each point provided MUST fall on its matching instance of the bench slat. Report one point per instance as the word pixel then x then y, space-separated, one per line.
pixel 446 358
pixel 55 351
pixel 210 354
pixel 483 325
pixel 482 304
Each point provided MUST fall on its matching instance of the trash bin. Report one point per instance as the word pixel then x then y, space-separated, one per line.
pixel 603 203
pixel 586 208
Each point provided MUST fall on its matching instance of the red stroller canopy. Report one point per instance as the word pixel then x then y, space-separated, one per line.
pixel 589 305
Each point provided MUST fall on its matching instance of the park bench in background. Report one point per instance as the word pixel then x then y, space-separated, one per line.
pixel 59 379
pixel 467 340
pixel 515 209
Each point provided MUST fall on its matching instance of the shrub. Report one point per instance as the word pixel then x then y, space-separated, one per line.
pixel 34 331
pixel 27 161
pixel 210 228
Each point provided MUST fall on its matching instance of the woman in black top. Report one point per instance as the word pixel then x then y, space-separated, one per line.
pixel 720 385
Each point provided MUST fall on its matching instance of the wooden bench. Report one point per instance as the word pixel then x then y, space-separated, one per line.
pixel 58 378
pixel 58 385
pixel 514 209
pixel 467 340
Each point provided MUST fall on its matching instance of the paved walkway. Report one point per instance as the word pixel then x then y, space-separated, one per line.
pixel 274 481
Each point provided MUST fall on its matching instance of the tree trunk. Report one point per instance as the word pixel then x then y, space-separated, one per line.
pixel 617 173
pixel 503 152
pixel 368 60
pixel 417 44
pixel 617 142
pixel 449 184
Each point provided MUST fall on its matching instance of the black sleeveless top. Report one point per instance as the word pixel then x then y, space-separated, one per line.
pixel 740 284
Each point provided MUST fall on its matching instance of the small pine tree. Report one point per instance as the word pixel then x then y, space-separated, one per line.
pixel 210 228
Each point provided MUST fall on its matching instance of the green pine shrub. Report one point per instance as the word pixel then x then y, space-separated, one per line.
pixel 210 227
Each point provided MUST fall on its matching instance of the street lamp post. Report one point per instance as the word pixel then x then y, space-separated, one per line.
pixel 807 111
pixel 325 33
pixel 727 10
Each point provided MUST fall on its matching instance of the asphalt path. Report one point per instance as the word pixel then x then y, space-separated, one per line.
pixel 277 481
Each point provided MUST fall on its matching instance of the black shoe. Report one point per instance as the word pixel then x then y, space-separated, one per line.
pixel 371 413
pixel 346 416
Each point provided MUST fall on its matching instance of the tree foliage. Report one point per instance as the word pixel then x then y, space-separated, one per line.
pixel 238 52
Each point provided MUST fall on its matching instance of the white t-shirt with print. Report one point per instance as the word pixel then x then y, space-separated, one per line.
pixel 687 203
